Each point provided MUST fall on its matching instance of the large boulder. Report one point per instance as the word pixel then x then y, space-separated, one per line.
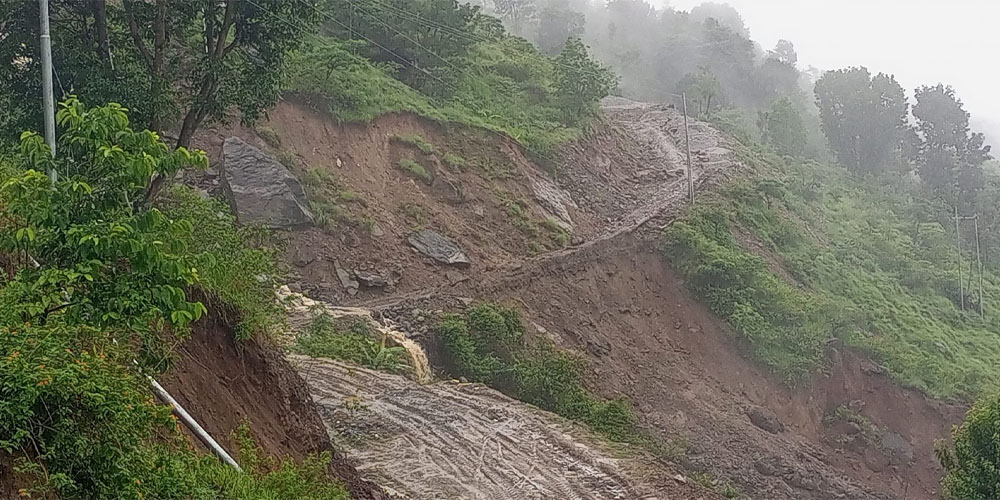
pixel 260 189
pixel 439 248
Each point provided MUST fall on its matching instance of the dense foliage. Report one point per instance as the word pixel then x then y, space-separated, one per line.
pixel 95 292
pixel 972 462
pixel 810 253
pixel 349 340
pixel 449 62
pixel 487 344
pixel 166 60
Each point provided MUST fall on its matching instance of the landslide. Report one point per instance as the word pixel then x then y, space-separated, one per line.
pixel 223 382
pixel 610 295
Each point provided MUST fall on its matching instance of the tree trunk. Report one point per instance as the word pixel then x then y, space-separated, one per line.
pixel 100 11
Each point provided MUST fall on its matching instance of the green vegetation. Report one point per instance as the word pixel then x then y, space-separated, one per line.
pixel 270 136
pixel 454 160
pixel 417 142
pixel 491 80
pixel 487 344
pixel 723 487
pixel 415 215
pixel 972 463
pixel 410 166
pixel 327 199
pixel 109 298
pixel 866 264
pixel 349 340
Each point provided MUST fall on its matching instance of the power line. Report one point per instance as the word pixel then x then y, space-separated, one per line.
pixel 324 43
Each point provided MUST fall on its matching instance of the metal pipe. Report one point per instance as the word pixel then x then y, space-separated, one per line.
pixel 48 102
pixel 191 424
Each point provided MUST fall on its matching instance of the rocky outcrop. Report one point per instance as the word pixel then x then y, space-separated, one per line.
pixel 260 189
pixel 439 248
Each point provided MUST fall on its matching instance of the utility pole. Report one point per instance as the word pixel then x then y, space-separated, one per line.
pixel 687 144
pixel 979 262
pixel 958 243
pixel 48 102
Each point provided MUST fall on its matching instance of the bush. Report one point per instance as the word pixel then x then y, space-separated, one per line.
pixel 487 345
pixel 972 462
pixel 417 142
pixel 354 341
pixel 415 169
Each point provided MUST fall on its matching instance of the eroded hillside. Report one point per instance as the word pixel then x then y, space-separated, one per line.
pixel 574 243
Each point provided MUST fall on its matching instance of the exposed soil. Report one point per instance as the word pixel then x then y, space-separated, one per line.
pixel 612 297
pixel 452 440
pixel 223 382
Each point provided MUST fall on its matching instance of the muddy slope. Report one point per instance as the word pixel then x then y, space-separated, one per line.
pixel 451 440
pixel 223 382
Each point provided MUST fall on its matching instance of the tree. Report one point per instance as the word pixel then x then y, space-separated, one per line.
pixel 863 117
pixel 724 14
pixel 164 59
pixel 782 127
pixel 949 157
pixel 702 87
pixel 580 81
pixel 516 13
pixel 972 463
pixel 557 24
pixel 784 51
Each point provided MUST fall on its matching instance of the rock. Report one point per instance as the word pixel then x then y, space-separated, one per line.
pixel 303 256
pixel 377 231
pixel 455 277
pixel 767 420
pixel 373 278
pixel 554 200
pixel 346 280
pixel 897 447
pixel 680 479
pixel 439 248
pixel 870 368
pixel 260 189
pixel 598 348
pixel 295 287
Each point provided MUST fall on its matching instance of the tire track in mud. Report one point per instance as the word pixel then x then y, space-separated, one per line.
pixel 450 440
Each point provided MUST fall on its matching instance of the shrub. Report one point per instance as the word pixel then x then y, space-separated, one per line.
pixel 972 462
pixel 454 160
pixel 487 345
pixel 354 341
pixel 270 136
pixel 415 169
pixel 417 142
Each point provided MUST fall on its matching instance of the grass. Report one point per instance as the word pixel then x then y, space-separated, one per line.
pixel 542 235
pixel 417 142
pixel 328 200
pixel 270 136
pixel 487 344
pixel 415 169
pixel 415 215
pixel 454 160
pixel 509 91
pixel 349 340
pixel 862 261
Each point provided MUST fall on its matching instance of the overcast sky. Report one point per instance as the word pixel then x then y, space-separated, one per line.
pixel 956 42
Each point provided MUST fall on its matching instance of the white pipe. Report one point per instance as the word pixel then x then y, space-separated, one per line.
pixel 191 424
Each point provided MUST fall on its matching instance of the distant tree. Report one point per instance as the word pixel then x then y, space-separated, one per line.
pixel 863 117
pixel 581 81
pixel 517 14
pixel 784 52
pixel 724 14
pixel 782 127
pixel 701 88
pixel 950 156
pixel 557 23
pixel 972 463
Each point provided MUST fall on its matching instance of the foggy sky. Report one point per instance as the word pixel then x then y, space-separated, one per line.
pixel 922 42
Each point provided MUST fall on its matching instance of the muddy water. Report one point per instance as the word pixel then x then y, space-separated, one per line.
pixel 450 440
